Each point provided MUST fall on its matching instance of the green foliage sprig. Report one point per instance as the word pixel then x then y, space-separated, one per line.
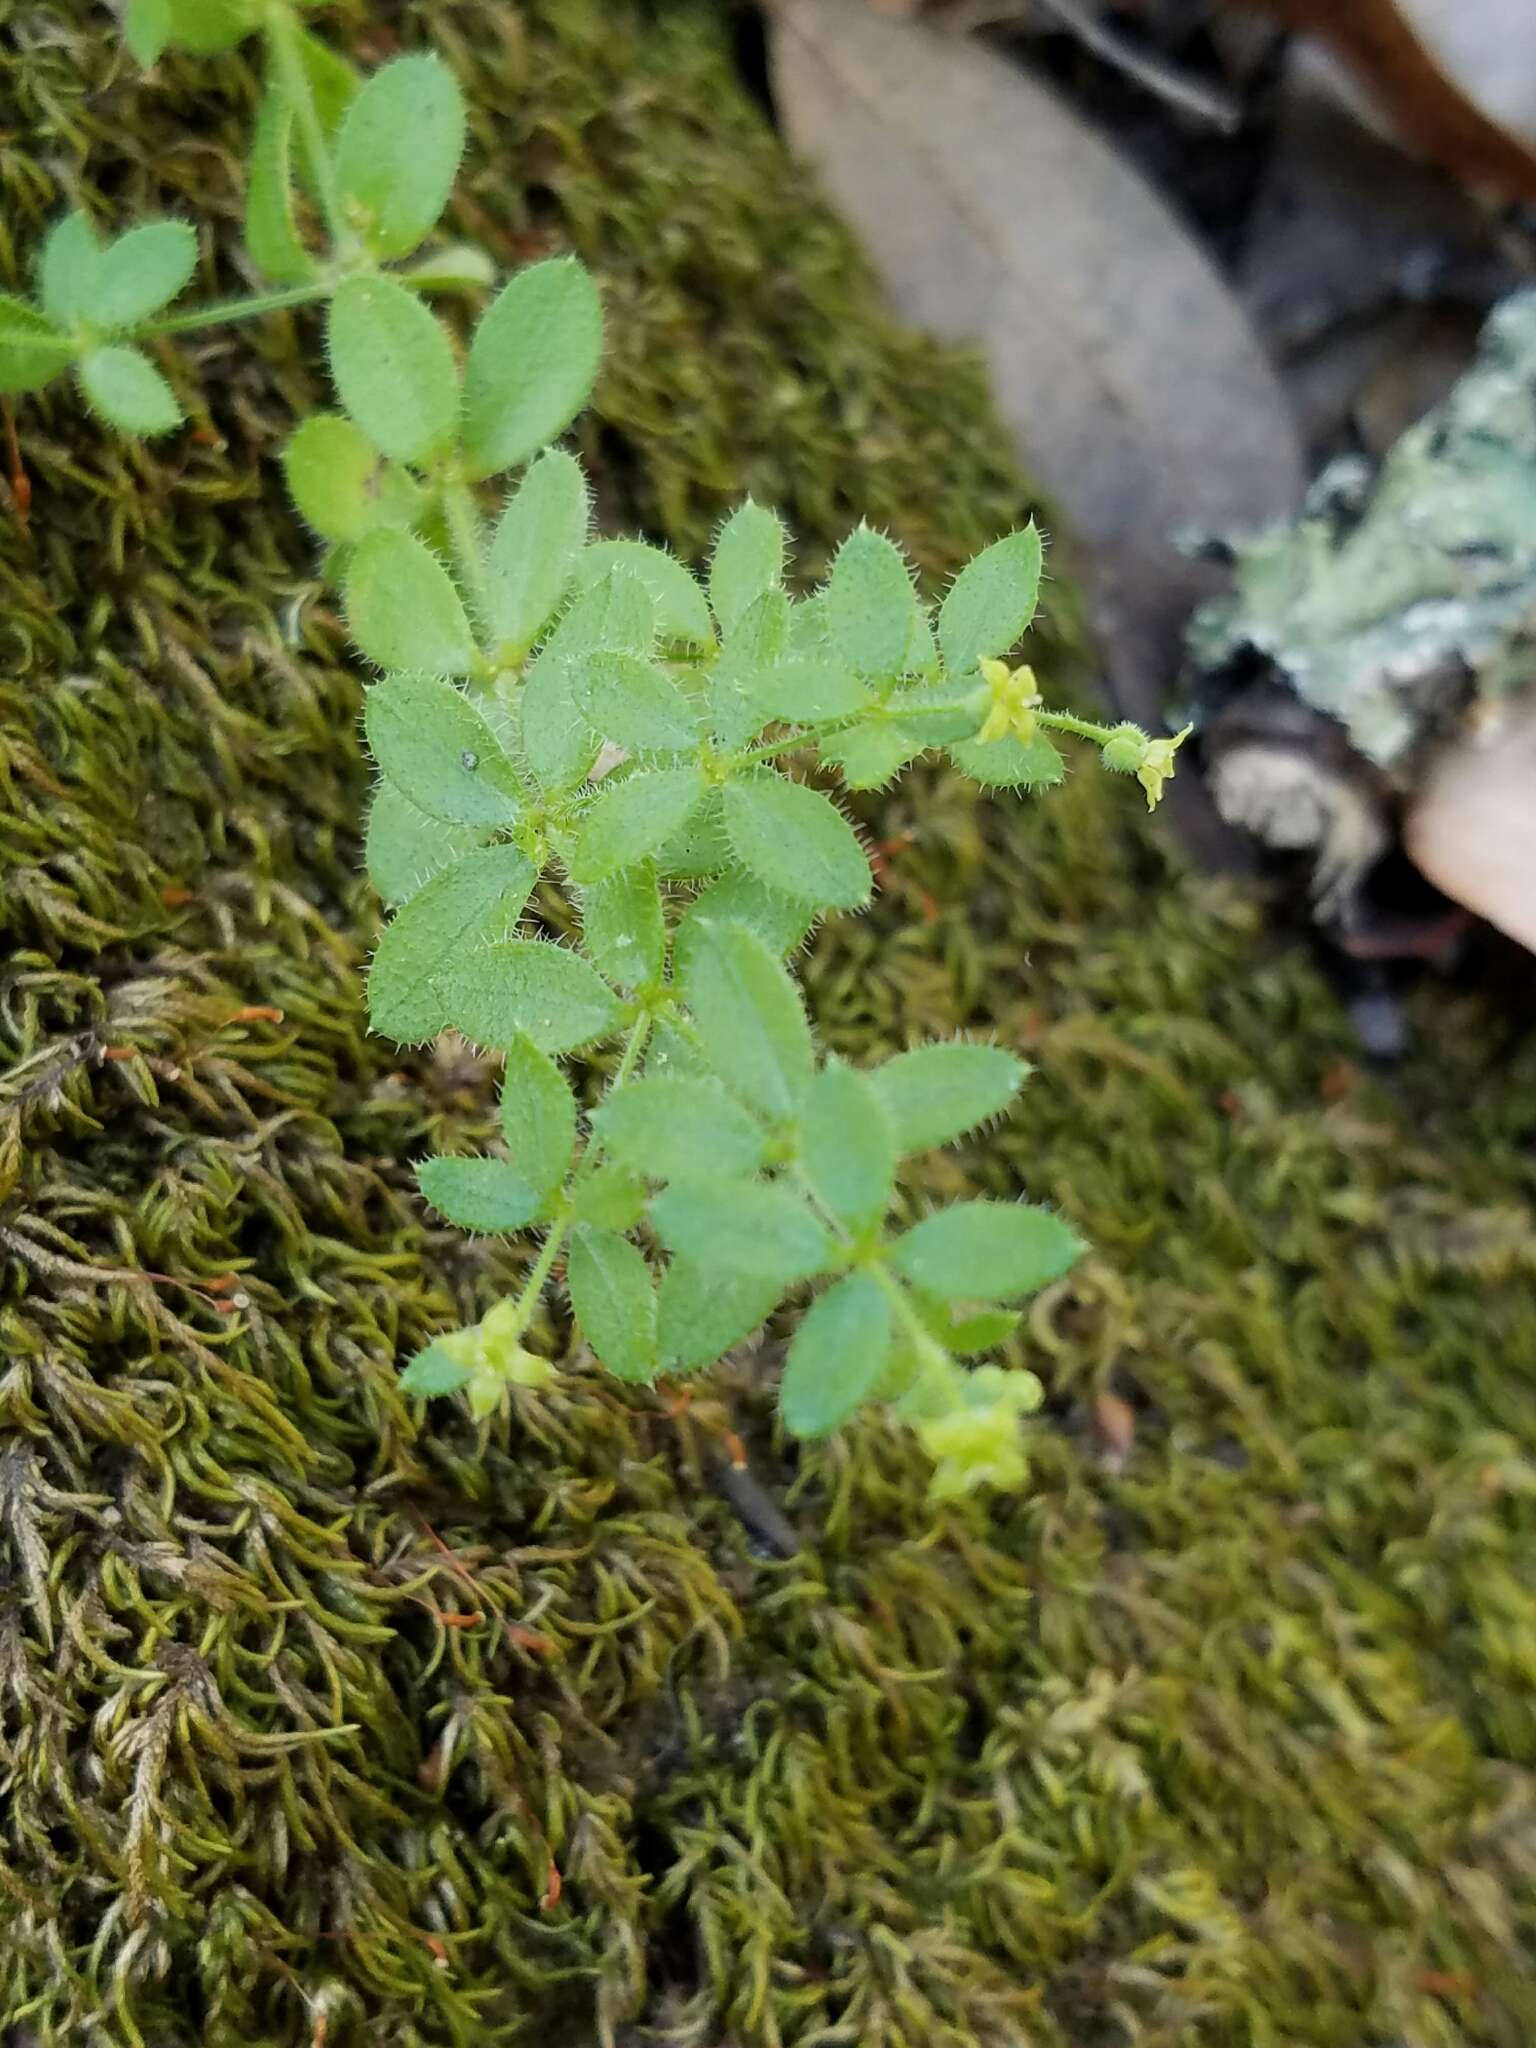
pixel 550 706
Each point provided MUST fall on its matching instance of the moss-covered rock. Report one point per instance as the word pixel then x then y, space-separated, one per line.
pixel 322 1727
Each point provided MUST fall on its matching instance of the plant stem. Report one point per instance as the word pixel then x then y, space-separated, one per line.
pixel 464 532
pixel 223 311
pixel 283 43
pixel 1063 721
pixel 528 1298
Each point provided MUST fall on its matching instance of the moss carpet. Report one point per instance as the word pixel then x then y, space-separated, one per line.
pixel 321 1725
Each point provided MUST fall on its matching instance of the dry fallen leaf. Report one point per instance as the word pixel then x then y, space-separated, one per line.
pixel 1118 356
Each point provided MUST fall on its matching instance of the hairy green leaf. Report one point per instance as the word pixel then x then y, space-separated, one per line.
pixel 32 351
pixel 635 704
pixel 749 1018
pixel 1009 763
pixel 936 1092
pixel 532 363
pixel 147 29
pixel 535 550
pixel 757 644
pixel 965 1333
pixel 795 840
pixel 545 991
pixel 745 1226
pixel 614 1300
pixel 612 1196
pixel 748 559
pixel 623 931
pixel 871 753
pixel 433 1371
pixel 559 745
pixel 991 601
pixel 699 847
pixel 779 921
pixel 271 223
pixel 629 819
pixel 139 273
pixel 848 1146
pixel 341 484
pixel 874 622
pixel 478 1194
pixel 680 1130
pixel 986 1251
pixel 478 898
pixel 124 386
pixel 704 1309
pixel 434 746
pixel 393 367
pixel 538 1116
pixel 682 614
pixel 402 607
pixel 836 1357
pixel 66 269
pixel 398 151
pixel 405 848
pixel 208 27
pixel 807 693
pixel 615 616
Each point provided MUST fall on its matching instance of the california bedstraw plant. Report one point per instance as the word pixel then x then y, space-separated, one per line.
pixel 550 705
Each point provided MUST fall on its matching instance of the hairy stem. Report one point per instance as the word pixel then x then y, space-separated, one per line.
pixel 283 34
pixel 1063 721
pixel 468 542
pixel 222 312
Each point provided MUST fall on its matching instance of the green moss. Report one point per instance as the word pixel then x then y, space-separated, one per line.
pixel 305 1704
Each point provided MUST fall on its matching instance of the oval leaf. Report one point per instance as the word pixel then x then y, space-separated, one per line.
pixel 749 1018
pixel 271 224
pixel 124 386
pixel 614 1301
pixel 795 840
pixel 873 620
pixel 986 1251
pixel 808 693
pixel 474 900
pixel 780 922
pixel 405 848
pixel 704 1309
pixel 402 607
pixel 538 1116
pixel 139 273
pixel 66 269
pixel 478 1194
pixel 535 550
pixel 936 1092
pixel 848 1146
pixel 398 152
pixel 393 367
pixel 1008 763
pixel 679 1130
pixel 529 986
pixel 630 819
pixel 837 1356
pixel 991 601
pixel 623 932
pixel 745 1226
pixel 532 363
pixel 635 704
pixel 682 614
pixel 748 559
pixel 433 744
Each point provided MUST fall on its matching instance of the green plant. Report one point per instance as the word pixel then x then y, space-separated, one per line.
pixel 584 713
